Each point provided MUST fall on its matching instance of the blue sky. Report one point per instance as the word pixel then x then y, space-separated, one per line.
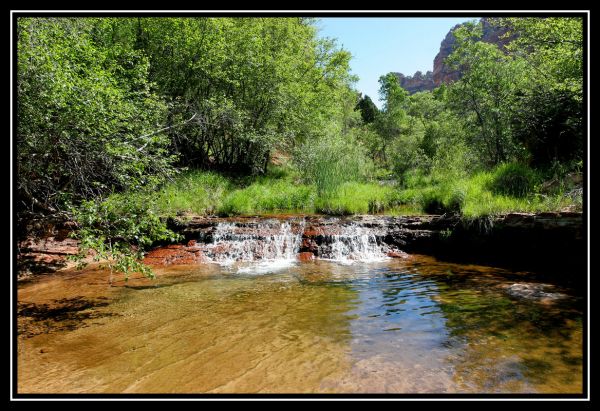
pixel 381 45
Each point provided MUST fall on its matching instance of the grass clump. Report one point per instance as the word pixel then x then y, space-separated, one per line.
pixel 508 188
pixel 198 192
pixel 330 162
pixel 268 195
pixel 513 179
pixel 356 198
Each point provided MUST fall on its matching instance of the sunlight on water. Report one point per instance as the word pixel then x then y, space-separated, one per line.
pixel 400 326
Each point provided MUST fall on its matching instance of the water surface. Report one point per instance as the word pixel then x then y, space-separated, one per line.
pixel 396 326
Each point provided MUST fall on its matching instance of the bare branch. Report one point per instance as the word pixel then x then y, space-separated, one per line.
pixel 163 129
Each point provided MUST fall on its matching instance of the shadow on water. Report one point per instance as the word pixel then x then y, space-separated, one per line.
pixel 510 342
pixel 463 321
pixel 66 314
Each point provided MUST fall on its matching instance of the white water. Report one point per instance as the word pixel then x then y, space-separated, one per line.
pixel 269 245
pixel 272 245
pixel 355 243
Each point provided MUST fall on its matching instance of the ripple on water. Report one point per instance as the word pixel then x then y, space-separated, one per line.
pixel 390 326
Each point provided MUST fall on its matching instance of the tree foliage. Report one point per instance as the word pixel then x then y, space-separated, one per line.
pixel 87 116
pixel 254 84
pixel 368 109
pixel 117 105
pixel 550 106
pixel 521 102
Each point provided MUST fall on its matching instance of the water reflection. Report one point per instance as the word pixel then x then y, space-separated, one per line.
pixel 394 326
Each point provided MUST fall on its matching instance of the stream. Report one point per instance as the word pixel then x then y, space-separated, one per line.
pixel 253 318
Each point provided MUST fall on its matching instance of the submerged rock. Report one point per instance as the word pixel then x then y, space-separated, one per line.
pixel 534 291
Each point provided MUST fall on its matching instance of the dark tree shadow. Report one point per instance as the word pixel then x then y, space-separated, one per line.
pixel 29 263
pixel 65 314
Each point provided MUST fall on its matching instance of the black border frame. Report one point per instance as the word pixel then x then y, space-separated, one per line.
pixel 584 14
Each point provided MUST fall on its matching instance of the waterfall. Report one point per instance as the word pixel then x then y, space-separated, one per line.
pixel 272 243
pixel 354 243
pixel 259 245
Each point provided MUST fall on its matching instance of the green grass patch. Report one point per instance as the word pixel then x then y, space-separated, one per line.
pixel 198 192
pixel 508 188
pixel 268 195
pixel 356 198
pixel 281 191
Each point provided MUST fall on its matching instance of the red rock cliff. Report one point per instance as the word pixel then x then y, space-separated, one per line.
pixel 417 82
pixel 441 72
pixel 444 74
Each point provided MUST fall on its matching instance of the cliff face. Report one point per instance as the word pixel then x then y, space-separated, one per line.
pixel 441 72
pixel 444 74
pixel 417 82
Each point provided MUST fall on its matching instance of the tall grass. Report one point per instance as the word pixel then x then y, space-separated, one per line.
pixel 512 179
pixel 508 188
pixel 198 192
pixel 268 196
pixel 282 191
pixel 330 162
pixel 356 198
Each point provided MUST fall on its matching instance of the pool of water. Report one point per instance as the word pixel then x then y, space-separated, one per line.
pixel 416 325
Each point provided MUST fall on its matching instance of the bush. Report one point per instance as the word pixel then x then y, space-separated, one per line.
pixel 118 230
pixel 329 162
pixel 514 180
pixel 89 119
pixel 436 202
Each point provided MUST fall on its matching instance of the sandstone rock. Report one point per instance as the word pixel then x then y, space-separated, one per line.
pixel 175 254
pixel 397 254
pixel 306 256
pixel 535 292
pixel 442 73
pixel 417 82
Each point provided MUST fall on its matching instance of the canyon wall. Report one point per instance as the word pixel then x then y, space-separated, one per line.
pixel 442 73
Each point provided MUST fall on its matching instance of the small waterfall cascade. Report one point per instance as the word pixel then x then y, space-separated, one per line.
pixel 259 241
pixel 260 245
pixel 354 243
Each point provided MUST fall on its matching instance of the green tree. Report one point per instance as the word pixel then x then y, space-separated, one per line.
pixel 88 118
pixel 486 93
pixel 253 85
pixel 393 118
pixel 549 108
pixel 368 109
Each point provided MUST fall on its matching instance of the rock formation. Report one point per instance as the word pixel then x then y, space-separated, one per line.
pixel 441 72
pixel 416 82
pixel 444 74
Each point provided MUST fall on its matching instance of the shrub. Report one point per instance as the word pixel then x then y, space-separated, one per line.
pixel 118 230
pixel 330 162
pixel 514 180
